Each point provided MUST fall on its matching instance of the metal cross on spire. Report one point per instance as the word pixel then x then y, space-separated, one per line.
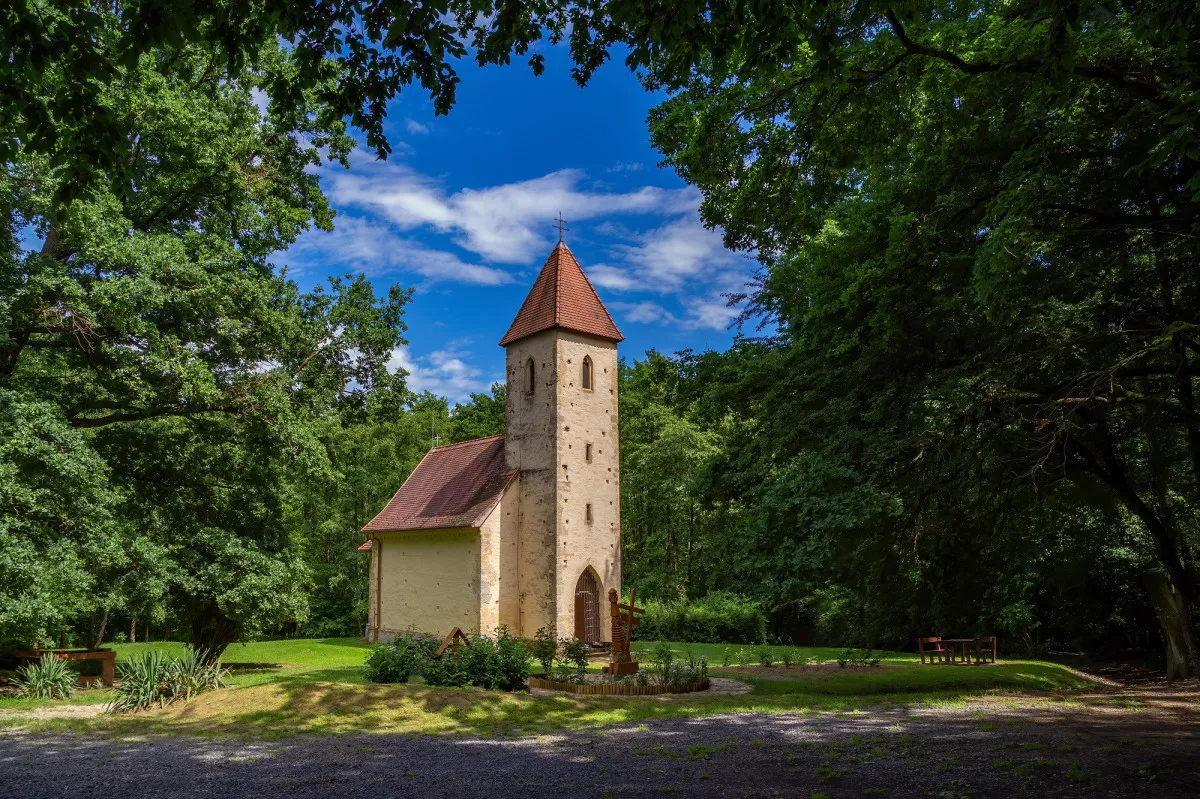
pixel 562 225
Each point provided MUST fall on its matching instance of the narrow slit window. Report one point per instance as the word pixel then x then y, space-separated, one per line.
pixel 587 515
pixel 587 452
pixel 586 378
pixel 529 379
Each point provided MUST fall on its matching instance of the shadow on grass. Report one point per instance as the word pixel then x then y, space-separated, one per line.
pixel 1025 677
pixel 336 700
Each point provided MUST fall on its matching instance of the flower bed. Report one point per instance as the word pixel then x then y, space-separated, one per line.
pixel 617 688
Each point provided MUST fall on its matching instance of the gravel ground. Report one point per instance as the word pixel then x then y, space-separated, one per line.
pixel 982 750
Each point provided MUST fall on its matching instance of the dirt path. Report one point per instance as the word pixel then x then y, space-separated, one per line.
pixel 1000 747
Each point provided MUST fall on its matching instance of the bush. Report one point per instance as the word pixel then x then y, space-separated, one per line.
pixel 572 661
pixel 500 664
pixel 153 678
pixel 544 649
pixel 720 617
pixel 47 678
pixel 664 667
pixel 859 657
pixel 403 657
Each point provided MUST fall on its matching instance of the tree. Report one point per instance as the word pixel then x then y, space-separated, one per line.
pixel 152 334
pixel 349 58
pixel 975 224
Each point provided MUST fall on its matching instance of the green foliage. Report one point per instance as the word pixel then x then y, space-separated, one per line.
pixel 974 225
pixel 572 660
pixel 47 678
pixel 664 667
pixel 858 657
pixel 155 361
pixel 156 678
pixel 497 664
pixel 544 649
pixel 718 616
pixel 766 657
pixel 397 660
pixel 379 48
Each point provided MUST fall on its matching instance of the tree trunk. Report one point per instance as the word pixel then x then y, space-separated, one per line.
pixel 133 629
pixel 1175 635
pixel 99 636
pixel 212 632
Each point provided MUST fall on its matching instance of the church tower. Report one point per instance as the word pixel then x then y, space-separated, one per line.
pixel 561 438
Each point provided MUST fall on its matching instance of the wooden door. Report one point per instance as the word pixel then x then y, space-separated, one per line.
pixel 587 608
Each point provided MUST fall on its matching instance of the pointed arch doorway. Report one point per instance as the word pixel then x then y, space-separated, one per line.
pixel 587 607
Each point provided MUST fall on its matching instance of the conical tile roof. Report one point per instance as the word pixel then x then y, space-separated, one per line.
pixel 562 297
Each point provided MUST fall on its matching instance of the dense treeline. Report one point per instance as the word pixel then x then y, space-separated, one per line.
pixel 719 495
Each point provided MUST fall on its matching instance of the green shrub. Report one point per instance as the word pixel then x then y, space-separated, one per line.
pixel 719 617
pixel 572 661
pixel 765 656
pixel 47 678
pixel 859 657
pixel 545 647
pixel 153 678
pixel 401 658
pixel 500 664
pixel 664 667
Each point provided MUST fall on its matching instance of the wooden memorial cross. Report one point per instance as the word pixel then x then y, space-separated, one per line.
pixel 622 632
pixel 454 640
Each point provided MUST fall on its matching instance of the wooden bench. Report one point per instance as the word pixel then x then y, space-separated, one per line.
pixel 985 649
pixel 107 658
pixel 932 646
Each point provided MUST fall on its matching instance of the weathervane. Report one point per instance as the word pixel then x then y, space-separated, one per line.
pixel 562 225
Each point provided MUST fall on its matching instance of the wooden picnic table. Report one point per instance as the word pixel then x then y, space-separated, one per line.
pixel 972 651
pixel 107 658
pixel 959 648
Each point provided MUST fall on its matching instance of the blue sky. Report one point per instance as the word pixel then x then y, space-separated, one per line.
pixel 462 211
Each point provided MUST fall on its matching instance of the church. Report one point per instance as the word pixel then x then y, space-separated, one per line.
pixel 523 529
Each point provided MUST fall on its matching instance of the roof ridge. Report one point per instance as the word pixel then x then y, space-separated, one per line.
pixel 468 441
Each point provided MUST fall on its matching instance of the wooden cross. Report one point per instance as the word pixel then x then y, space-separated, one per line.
pixel 622 625
pixel 562 225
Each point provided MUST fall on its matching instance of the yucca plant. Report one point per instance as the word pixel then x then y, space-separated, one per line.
pixel 142 682
pixel 191 674
pixel 48 678
pixel 153 678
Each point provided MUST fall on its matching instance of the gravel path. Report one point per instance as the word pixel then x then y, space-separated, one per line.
pixel 981 750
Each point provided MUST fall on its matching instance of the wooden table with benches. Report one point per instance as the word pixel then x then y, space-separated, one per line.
pixel 950 651
pixel 107 658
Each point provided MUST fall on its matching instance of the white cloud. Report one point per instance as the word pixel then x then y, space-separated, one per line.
pixel 708 313
pixel 611 277
pixel 416 128
pixel 711 313
pixel 643 312
pixel 509 223
pixel 444 372
pixel 622 166
pixel 375 249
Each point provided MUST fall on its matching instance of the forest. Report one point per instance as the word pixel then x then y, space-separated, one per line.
pixel 962 397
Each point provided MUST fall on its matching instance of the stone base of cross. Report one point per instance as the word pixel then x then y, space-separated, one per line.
pixel 623 620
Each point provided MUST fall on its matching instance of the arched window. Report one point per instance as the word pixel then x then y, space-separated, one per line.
pixel 529 376
pixel 587 373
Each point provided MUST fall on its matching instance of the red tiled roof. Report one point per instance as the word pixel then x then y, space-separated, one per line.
pixel 562 296
pixel 365 546
pixel 452 486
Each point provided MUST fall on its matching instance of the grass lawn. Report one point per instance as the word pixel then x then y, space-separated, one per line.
pixel 280 688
